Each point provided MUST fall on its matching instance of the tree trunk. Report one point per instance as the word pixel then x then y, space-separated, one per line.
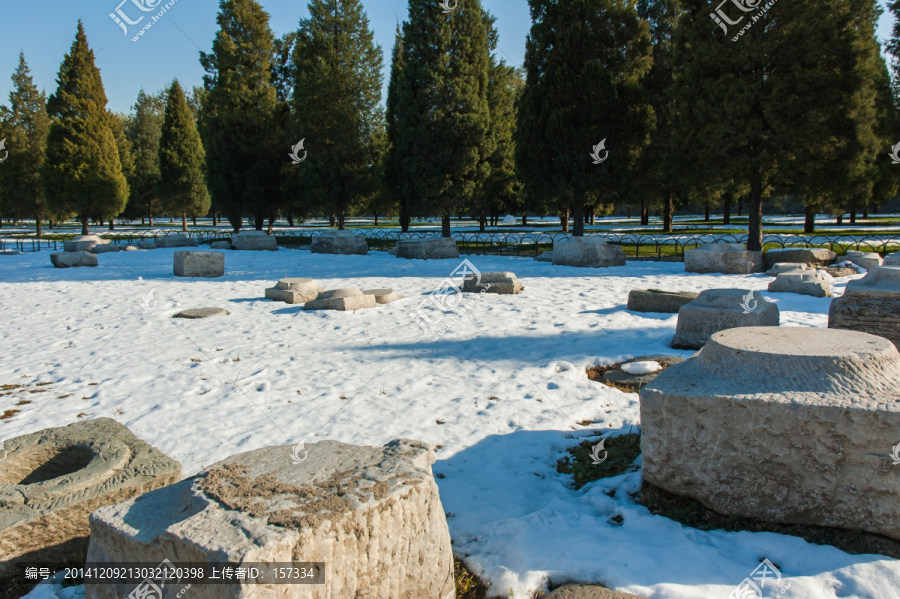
pixel 331 221
pixel 706 214
pixel 50 223
pixel 290 219
pixel 840 219
pixel 376 219
pixel 142 220
pixel 809 225
pixel 592 216
pixel 184 222
pixel 524 218
pixel 271 223
pixel 171 219
pixel 741 206
pixel 194 220
pixel 37 226
pixel 112 225
pixel 564 220
pixel 578 219
pixel 853 211
pixel 628 212
pixel 150 214
pixel 667 211
pixel 754 211
pixel 340 219
pixel 84 226
pixel 726 209
pixel 445 224
pixel 865 213
pixel 215 224
pixel 482 219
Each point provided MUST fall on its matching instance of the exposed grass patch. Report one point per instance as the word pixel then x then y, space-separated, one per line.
pixel 10 387
pixel 23 402
pixel 620 453
pixel 9 414
pixel 595 373
pixel 468 586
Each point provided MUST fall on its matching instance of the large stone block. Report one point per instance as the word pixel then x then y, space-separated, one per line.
pixel 809 256
pixel 503 283
pixel 865 259
pixel 254 241
pixel 657 300
pixel 434 248
pixel 294 291
pixel 339 242
pixel 715 310
pixel 587 251
pixel 350 298
pixel 83 243
pixel 175 240
pixel 785 424
pixel 199 264
pixel 725 258
pixel 372 514
pixel 73 259
pixel 805 283
pixel 870 304
pixel 53 479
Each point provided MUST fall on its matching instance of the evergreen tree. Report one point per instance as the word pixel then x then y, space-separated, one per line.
pixel 182 188
pixel 585 61
pixel 126 155
pixel 441 111
pixel 25 125
pixel 241 123
pixel 336 100
pixel 144 130
pixel 401 195
pixel 82 173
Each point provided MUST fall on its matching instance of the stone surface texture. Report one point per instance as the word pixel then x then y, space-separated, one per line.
pixel 199 264
pixel 588 591
pixel 657 300
pixel 544 257
pixel 9 253
pixel 805 283
pixel 254 241
pixel 715 310
pixel 503 283
pixel 372 514
pixel 841 271
pixel 105 248
pixel 892 259
pixel 339 242
pixel 350 298
pixel 83 243
pixel 176 240
pixel 220 245
pixel 809 256
pixel 52 479
pixel 194 313
pixel 294 291
pixel 587 251
pixel 435 248
pixel 865 259
pixel 73 259
pixel 870 304
pixel 146 245
pixel 384 296
pixel 782 267
pixel 786 424
pixel 725 258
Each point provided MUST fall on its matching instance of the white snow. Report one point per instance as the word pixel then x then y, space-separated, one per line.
pixel 645 367
pixel 507 381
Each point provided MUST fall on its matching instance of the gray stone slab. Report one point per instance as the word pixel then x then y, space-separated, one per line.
pixel 715 310
pixel 892 259
pixel 865 259
pixel 591 252
pixel 188 263
pixel 175 240
pixel 724 258
pixel 73 259
pixel 804 283
pixel 9 253
pixel 146 245
pixel 544 257
pixel 783 267
pixel 339 242
pixel 193 313
pixel 785 424
pixel 502 283
pixel 220 245
pixel 433 248
pixel 588 591
pixel 657 300
pixel 870 304
pixel 83 243
pixel 254 241
pixel 294 290
pixel 809 256
pixel 51 480
pixel 347 299
pixel 372 514
pixel 105 248
pixel 841 271
pixel 384 296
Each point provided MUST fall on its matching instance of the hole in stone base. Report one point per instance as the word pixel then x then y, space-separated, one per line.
pixel 45 463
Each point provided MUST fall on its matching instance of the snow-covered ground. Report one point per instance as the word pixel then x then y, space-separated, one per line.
pixel 506 382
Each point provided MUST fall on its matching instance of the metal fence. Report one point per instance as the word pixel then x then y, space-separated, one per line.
pixel 662 246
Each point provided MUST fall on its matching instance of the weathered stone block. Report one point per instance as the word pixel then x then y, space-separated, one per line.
pixel 870 304
pixel 83 243
pixel 175 240
pixel 865 259
pixel 805 283
pixel 384 296
pixel 339 242
pixel 587 591
pixel 194 313
pixel 656 300
pixel 781 267
pixel 809 256
pixel 105 248
pixel 785 424
pixel 434 248
pixel 199 264
pixel 892 259
pixel 254 241
pixel 725 258
pixel 73 259
pixel 719 309
pixel 350 298
pixel 509 219
pixel 544 257
pixel 294 291
pixel 146 245
pixel 220 245
pixel 503 283
pixel 9 253
pixel 372 514
pixel 53 479
pixel 841 271
pixel 587 251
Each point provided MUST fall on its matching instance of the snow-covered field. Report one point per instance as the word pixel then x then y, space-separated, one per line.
pixel 506 382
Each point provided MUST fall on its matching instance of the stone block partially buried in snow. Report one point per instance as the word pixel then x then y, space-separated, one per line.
pixel 590 252
pixel 892 259
pixel 294 291
pixel 175 240
pixel 725 258
pixel 73 259
pixel 588 591
pixel 339 242
pixel 199 264
pixel 544 257
pixel 51 480
pixel 372 514
pixel 350 298
pixel 783 267
pixel 220 245
pixel 810 256
pixel 432 248
pixel 105 248
pixel 865 259
pixel 870 304
pixel 254 241
pixel 83 243
pixel 384 296
pixel 503 283
pixel 805 283
pixel 715 310
pixel 785 424
pixel 195 313
pixel 657 300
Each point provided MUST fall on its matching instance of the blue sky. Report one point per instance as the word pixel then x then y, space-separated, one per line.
pixel 45 29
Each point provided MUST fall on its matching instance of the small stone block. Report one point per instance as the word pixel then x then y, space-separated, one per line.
pixel 175 240
pixel 347 299
pixel 339 242
pixel 724 258
pixel 865 259
pixel 783 267
pixel 199 264
pixel 870 304
pixel 503 283
pixel 220 245
pixel 83 243
pixel 591 252
pixel 809 256
pixel 294 291
pixel 73 259
pixel 715 310
pixel 656 300
pixel 254 241
pixel 194 313
pixel 434 248
pixel 384 296
pixel 805 283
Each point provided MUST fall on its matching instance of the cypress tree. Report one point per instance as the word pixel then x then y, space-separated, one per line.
pixel 400 195
pixel 144 130
pixel 25 125
pixel 585 61
pixel 241 123
pixel 82 173
pixel 181 189
pixel 126 155
pixel 336 100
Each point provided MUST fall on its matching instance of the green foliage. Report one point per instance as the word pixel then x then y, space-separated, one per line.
pixel 394 192
pixel 24 125
pixel 82 173
pixel 144 130
pixel 181 185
